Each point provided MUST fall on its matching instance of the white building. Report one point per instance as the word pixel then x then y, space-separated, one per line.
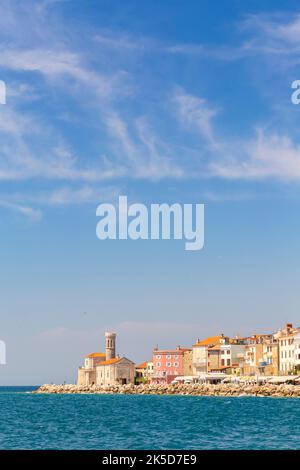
pixel 297 351
pixel 287 344
pixel 115 371
pixel 232 355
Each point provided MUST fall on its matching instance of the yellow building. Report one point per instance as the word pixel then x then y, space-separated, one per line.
pixel 188 362
pixel 144 372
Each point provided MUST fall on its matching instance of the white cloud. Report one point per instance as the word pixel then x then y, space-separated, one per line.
pixel 54 64
pixel 267 155
pixel 273 36
pixel 140 150
pixel 27 211
pixel 30 204
pixel 82 195
pixel 195 113
pixel 133 147
pixel 124 42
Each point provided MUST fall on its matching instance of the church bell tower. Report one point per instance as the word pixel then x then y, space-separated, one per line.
pixel 110 345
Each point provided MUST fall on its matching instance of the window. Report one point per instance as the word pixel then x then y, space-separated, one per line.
pixel 158 357
pixel 158 364
pixel 222 362
pixel 176 363
pixel 228 362
pixel 228 351
pixel 176 356
pixel 168 356
pixel 168 364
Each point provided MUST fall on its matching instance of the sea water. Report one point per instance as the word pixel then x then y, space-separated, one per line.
pixel 33 421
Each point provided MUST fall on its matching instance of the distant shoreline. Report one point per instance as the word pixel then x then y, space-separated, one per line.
pixel 222 390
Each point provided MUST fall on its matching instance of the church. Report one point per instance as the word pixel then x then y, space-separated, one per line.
pixel 106 368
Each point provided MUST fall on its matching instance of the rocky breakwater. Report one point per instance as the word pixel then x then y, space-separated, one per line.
pixel 223 390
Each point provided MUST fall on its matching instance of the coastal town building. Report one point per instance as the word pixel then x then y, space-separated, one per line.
pixel 257 354
pixel 227 356
pixel 115 371
pixel 232 357
pixel 257 350
pixel 171 363
pixel 210 359
pixel 273 354
pixel 269 363
pixel 287 346
pixel 205 355
pixel 87 374
pixel 144 372
pixel 251 359
pixel 106 368
pixel 188 362
pixel 297 352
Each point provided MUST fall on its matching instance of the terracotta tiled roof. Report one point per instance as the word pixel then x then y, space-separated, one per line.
pixel 212 340
pixel 142 366
pixel 171 351
pixel 110 361
pixel 96 354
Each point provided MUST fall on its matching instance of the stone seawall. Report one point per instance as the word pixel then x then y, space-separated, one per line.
pixel 266 390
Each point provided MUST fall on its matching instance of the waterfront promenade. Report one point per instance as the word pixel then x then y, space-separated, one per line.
pixel 234 390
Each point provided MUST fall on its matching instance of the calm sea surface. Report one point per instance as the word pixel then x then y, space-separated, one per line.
pixel 146 422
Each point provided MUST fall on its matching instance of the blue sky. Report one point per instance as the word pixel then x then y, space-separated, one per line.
pixel 164 101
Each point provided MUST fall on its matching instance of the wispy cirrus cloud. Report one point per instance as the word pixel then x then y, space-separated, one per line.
pixel 274 36
pixel 146 156
pixel 195 113
pixel 96 92
pixel 32 204
pixel 25 210
pixel 267 155
pixel 123 137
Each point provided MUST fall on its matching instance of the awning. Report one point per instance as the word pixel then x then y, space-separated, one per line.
pixel 281 379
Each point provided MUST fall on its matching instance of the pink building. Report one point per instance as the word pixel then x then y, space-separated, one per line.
pixel 170 363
